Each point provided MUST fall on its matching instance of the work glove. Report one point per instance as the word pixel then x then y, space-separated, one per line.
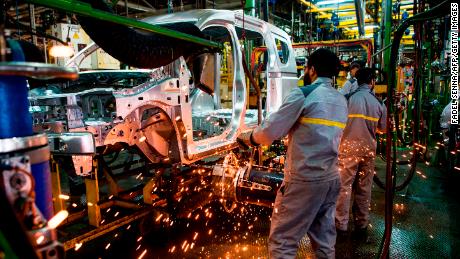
pixel 245 140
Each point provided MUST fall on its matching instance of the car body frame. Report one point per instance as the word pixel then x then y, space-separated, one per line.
pixel 160 116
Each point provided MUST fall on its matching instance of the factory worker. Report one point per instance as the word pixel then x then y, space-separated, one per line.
pixel 351 84
pixel 450 135
pixel 313 118
pixel 445 116
pixel 366 116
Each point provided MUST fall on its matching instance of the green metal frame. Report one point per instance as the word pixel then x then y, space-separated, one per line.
pixel 5 248
pixel 387 36
pixel 85 9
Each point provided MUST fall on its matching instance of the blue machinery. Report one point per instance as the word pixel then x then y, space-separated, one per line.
pixel 25 196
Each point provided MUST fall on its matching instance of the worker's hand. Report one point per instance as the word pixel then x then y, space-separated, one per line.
pixel 245 141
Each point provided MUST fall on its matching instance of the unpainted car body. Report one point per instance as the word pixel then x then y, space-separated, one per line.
pixel 163 111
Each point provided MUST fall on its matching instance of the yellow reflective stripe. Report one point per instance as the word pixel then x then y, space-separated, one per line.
pixel 362 116
pixel 324 122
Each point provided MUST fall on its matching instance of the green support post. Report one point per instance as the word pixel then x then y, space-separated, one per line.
pixel 387 36
pixel 250 7
pixel 84 9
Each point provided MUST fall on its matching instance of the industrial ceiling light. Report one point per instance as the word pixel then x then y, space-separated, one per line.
pixel 61 51
pixel 365 27
pixel 327 2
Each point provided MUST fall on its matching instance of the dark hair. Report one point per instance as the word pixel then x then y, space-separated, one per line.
pixel 365 75
pixel 325 62
pixel 355 64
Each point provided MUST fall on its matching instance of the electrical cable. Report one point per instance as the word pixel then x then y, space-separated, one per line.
pixel 11 21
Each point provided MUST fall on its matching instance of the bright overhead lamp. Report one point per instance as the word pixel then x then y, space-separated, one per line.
pixel 365 27
pixel 61 51
pixel 326 2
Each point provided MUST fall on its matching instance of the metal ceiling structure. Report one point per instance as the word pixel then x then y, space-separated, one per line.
pixel 321 11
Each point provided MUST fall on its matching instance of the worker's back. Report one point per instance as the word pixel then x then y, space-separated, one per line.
pixel 365 115
pixel 351 85
pixel 314 139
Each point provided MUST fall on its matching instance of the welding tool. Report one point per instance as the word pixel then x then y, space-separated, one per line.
pixel 246 184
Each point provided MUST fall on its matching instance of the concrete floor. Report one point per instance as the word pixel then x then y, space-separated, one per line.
pixel 426 225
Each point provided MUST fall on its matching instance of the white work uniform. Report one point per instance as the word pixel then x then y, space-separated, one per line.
pixel 305 203
pixel 445 116
pixel 349 87
pixel 357 154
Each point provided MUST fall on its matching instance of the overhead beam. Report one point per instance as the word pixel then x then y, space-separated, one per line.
pixel 313 7
pixel 85 9
pixel 342 14
pixel 344 24
pixel 137 7
pixel 340 7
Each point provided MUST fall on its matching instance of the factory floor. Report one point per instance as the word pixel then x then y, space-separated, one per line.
pixel 426 225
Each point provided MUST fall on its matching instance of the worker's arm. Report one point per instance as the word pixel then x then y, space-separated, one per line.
pixel 346 89
pixel 382 124
pixel 278 124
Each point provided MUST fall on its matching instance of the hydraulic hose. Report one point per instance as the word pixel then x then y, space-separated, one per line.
pixel 256 86
pixel 435 12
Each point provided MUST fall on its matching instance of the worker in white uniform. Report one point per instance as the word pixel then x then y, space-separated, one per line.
pixel 351 84
pixel 444 120
pixel 450 135
pixel 366 116
pixel 313 118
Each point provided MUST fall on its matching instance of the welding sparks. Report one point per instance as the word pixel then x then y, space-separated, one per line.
pixel 64 197
pixel 57 219
pixel 77 246
pixel 143 253
pixel 159 217
pixel 40 239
